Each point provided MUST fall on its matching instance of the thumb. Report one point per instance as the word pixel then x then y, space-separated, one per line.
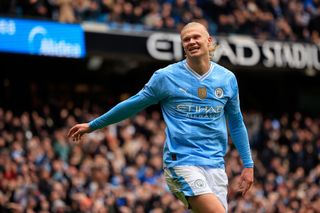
pixel 241 181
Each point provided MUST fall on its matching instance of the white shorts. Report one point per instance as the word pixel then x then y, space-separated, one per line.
pixel 187 181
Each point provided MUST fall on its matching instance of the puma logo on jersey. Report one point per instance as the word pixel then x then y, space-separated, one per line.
pixel 184 90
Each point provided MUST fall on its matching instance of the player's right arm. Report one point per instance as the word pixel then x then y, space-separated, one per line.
pixel 152 93
pixel 121 111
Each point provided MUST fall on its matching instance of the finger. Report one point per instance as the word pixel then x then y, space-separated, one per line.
pixel 240 184
pixel 71 131
pixel 75 135
pixel 246 189
pixel 244 192
pixel 242 188
pixel 79 136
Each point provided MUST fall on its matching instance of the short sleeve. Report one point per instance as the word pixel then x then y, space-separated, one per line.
pixel 233 104
pixel 155 90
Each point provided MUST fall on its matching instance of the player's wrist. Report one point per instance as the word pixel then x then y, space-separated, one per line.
pixel 249 165
pixel 91 126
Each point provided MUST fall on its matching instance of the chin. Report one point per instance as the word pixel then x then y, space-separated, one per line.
pixel 195 55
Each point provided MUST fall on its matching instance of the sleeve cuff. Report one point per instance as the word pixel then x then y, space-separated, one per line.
pixel 249 165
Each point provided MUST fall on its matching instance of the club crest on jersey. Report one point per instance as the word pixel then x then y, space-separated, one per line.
pixel 202 92
pixel 218 92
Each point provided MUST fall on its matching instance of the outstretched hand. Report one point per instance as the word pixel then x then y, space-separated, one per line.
pixel 78 130
pixel 246 180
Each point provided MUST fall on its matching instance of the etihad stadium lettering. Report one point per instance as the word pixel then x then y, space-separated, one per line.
pixel 243 51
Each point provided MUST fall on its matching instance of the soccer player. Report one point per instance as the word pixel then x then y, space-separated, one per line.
pixel 197 97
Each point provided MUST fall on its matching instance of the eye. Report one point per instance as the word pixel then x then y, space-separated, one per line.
pixel 186 39
pixel 196 37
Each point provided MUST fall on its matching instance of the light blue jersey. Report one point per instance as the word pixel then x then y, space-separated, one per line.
pixel 195 109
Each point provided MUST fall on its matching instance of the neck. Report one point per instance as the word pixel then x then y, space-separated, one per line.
pixel 201 66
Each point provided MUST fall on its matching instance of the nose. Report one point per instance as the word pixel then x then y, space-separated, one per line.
pixel 191 43
pixel 192 40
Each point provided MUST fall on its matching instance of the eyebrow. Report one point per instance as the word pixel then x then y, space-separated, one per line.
pixel 194 34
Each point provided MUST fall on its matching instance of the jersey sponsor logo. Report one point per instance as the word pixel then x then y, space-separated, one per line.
pixel 202 92
pixel 200 111
pixel 218 92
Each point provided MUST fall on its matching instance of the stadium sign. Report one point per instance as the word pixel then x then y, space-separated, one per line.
pixel 41 38
pixel 165 46
pixel 243 51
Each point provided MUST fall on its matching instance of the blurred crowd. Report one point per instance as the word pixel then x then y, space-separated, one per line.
pixel 119 168
pixel 294 20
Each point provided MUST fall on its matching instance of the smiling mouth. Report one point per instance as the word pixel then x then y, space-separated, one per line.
pixel 193 49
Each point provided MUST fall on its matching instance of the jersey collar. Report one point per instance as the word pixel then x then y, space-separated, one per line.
pixel 195 74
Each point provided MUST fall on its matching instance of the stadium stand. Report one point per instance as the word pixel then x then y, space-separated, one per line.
pixel 273 19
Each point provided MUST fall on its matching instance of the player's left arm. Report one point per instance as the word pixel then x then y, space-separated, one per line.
pixel 239 137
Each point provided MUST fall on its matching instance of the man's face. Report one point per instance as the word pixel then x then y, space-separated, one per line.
pixel 195 41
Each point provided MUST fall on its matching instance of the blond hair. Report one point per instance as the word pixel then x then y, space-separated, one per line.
pixel 213 47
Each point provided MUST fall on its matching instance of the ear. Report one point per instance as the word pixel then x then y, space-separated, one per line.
pixel 210 39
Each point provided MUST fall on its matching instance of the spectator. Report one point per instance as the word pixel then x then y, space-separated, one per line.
pixel 66 12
